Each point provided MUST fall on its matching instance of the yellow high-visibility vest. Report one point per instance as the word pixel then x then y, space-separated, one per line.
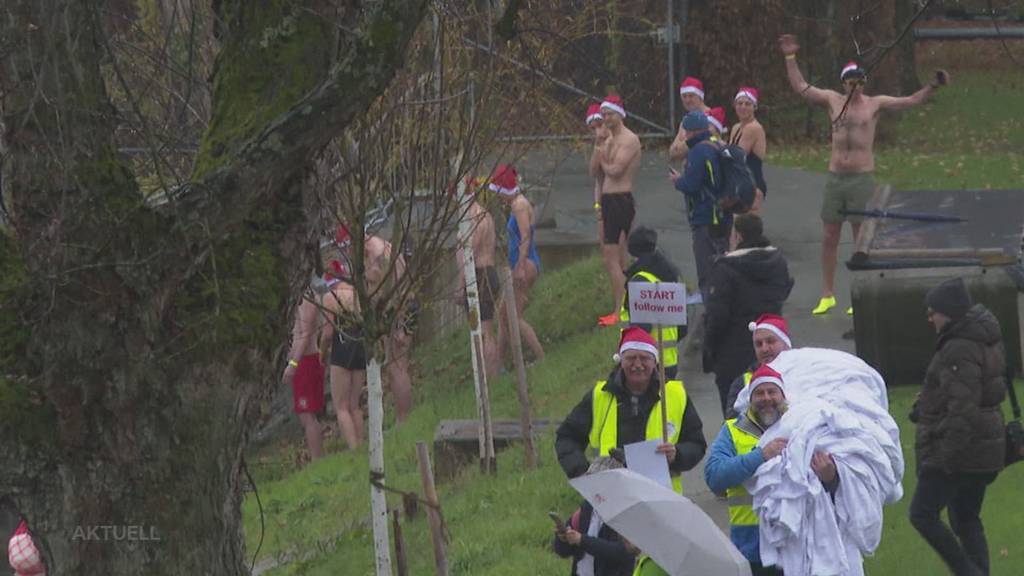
pixel 669 334
pixel 740 502
pixel 646 567
pixel 604 428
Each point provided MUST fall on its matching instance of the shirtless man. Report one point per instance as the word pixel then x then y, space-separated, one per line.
pixel 380 270
pixel 305 373
pixel 619 158
pixel 851 168
pixel 343 348
pixel 488 285
pixel 691 92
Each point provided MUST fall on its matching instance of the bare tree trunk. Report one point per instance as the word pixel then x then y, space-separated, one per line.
pixel 378 500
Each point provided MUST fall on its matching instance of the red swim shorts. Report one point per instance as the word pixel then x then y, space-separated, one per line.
pixel 308 385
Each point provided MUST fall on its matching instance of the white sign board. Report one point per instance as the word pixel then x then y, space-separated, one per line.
pixel 661 303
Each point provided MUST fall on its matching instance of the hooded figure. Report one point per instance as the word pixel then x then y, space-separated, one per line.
pixel 751 280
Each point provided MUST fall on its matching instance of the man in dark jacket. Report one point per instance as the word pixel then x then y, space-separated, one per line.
pixel 709 227
pixel 650 266
pixel 626 408
pixel 751 280
pixel 960 441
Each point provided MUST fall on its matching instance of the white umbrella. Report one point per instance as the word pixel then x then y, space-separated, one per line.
pixel 666 526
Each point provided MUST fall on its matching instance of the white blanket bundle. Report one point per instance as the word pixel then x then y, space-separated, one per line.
pixel 837 404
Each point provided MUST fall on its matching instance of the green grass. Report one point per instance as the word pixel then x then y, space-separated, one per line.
pixel 498 525
pixel 966 137
pixel 322 508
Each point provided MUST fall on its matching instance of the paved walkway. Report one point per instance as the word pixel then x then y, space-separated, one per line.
pixel 791 223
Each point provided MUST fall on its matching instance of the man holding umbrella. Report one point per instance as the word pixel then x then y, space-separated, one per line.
pixel 627 408
pixel 735 458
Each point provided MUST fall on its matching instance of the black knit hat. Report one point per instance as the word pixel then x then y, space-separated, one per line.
pixel 642 240
pixel 950 298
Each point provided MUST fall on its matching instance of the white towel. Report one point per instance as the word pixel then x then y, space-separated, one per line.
pixel 837 404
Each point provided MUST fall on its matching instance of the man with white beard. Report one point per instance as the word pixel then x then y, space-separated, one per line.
pixel 735 457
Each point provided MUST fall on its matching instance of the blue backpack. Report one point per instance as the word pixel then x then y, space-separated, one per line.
pixel 736 188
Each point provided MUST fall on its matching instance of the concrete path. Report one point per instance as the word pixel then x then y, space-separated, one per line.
pixel 792 223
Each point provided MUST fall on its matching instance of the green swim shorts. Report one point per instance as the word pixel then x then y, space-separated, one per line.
pixel 846 192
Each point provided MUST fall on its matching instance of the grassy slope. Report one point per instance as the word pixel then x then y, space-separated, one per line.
pixel 965 137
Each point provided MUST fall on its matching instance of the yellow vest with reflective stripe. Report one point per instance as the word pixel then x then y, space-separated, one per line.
pixel 669 334
pixel 741 509
pixel 646 567
pixel 604 428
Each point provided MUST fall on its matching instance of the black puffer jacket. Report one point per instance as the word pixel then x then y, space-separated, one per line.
pixel 960 424
pixel 744 284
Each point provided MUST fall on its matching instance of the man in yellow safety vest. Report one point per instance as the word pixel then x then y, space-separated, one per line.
pixel 735 457
pixel 651 266
pixel 626 408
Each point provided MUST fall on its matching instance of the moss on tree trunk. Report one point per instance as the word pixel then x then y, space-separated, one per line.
pixel 136 341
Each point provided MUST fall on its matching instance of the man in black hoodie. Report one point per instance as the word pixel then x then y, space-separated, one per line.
pixel 652 266
pixel 751 280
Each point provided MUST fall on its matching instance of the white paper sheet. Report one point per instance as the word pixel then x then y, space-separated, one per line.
pixel 642 458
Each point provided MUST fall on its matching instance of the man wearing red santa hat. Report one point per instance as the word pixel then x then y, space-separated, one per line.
pixel 851 169
pixel 619 152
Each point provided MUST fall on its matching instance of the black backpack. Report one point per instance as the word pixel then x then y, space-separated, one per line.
pixel 736 188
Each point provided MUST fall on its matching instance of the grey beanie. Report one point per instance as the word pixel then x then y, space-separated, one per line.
pixel 950 298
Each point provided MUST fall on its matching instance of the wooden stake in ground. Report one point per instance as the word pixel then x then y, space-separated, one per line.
pixel 434 516
pixel 378 501
pixel 400 562
pixel 661 378
pixel 485 431
pixel 525 421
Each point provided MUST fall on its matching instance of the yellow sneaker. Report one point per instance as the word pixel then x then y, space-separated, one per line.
pixel 824 305
pixel 849 311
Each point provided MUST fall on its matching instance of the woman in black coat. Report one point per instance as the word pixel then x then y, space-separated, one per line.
pixel 751 280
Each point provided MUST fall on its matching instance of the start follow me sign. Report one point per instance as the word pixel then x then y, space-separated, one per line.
pixel 661 303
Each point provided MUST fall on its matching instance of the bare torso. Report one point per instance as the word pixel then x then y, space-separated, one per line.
pixel 307 325
pixel 622 143
pixel 853 135
pixel 483 235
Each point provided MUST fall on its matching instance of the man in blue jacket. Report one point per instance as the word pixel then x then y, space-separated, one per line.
pixel 735 457
pixel 699 184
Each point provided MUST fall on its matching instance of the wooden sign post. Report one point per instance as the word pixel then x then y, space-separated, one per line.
pixel 659 304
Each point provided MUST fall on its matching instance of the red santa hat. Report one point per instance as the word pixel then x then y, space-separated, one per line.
pixel 613 103
pixel 634 338
pixel 22 553
pixel 336 271
pixel 716 116
pixel 593 113
pixel 505 180
pixel 691 85
pixel 342 236
pixel 852 69
pixel 747 92
pixel 766 375
pixel 775 324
